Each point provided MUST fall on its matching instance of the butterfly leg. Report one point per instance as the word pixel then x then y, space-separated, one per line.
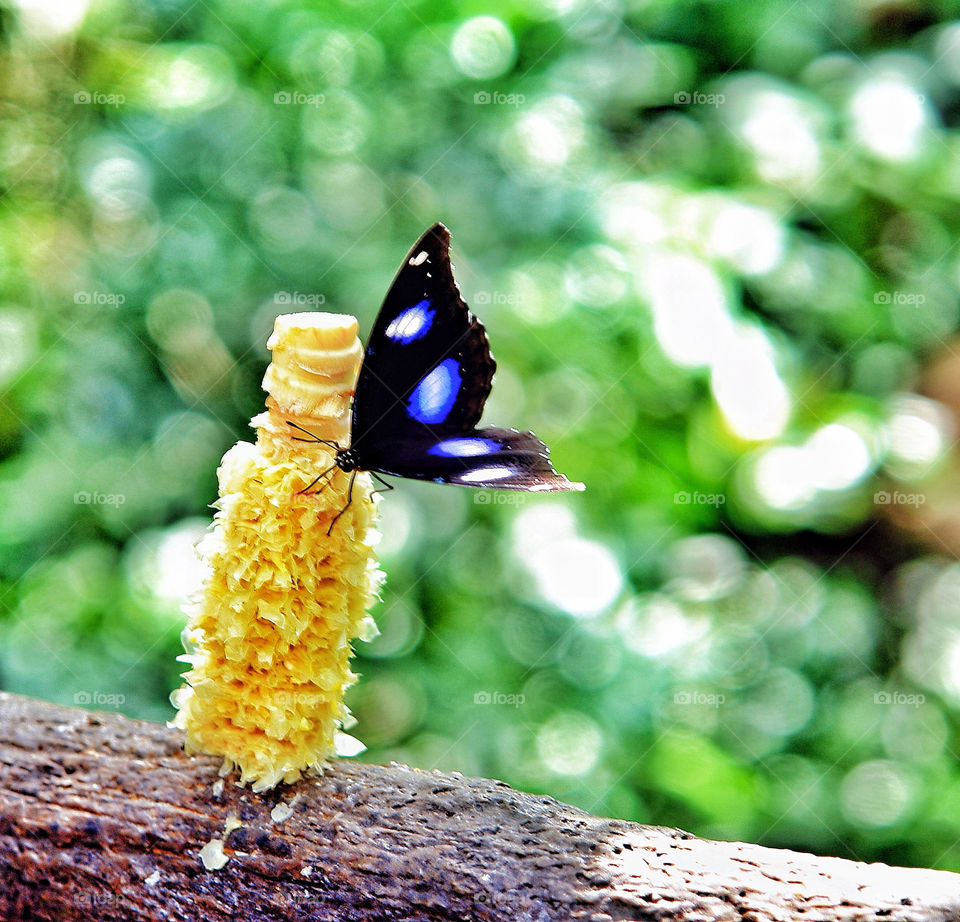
pixel 353 477
pixel 309 486
pixel 386 485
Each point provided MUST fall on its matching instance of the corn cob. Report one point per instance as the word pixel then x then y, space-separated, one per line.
pixel 268 636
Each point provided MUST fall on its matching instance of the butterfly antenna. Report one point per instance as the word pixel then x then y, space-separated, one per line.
pixel 310 486
pixel 313 438
pixel 353 477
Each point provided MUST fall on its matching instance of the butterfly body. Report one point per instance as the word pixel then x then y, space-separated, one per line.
pixel 346 459
pixel 425 376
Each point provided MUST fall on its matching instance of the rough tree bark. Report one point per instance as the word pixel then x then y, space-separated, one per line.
pixel 104 818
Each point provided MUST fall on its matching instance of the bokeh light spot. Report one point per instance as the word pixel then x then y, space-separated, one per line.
pixel 705 567
pixel 543 138
pixel 782 139
pixel 888 118
pixel 596 276
pixel 838 457
pixel 749 238
pixel 18 335
pixel 483 47
pixel 165 564
pixel 917 429
pixel 875 794
pixel 197 78
pixel 749 391
pixel 658 626
pixel 689 307
pixel 579 576
pixel 51 19
pixel 570 743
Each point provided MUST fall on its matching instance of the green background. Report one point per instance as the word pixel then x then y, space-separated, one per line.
pixel 713 245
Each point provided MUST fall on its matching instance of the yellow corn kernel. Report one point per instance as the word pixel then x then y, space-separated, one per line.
pixel 268 637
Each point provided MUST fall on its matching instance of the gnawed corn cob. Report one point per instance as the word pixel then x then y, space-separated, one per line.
pixel 268 638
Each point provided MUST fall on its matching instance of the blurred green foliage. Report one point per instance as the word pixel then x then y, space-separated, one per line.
pixel 714 248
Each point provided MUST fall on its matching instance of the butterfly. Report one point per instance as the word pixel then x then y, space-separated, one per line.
pixel 425 376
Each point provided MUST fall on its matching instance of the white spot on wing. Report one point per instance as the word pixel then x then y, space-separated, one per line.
pixel 485 474
pixel 463 448
pixel 419 259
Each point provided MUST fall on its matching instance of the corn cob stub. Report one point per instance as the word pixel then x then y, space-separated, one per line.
pixel 268 637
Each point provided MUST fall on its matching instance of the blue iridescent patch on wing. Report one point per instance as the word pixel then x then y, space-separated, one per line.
pixel 412 323
pixel 433 398
pixel 463 448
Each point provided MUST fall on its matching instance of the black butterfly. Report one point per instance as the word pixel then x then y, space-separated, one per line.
pixel 425 377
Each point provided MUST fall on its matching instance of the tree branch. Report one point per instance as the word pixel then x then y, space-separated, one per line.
pixel 104 818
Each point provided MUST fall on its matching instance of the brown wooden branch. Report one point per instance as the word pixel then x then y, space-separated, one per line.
pixel 104 818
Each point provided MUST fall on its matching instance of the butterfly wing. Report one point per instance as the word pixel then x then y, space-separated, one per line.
pixel 502 459
pixel 425 377
pixel 427 370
